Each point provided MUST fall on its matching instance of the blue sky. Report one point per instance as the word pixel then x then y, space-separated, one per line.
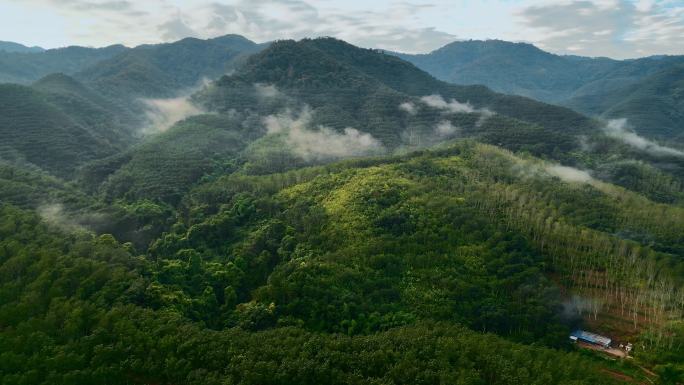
pixel 615 28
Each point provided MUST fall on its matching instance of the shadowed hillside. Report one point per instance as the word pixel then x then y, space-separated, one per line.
pixel 38 132
pixel 24 68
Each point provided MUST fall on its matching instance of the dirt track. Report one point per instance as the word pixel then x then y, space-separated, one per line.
pixel 611 351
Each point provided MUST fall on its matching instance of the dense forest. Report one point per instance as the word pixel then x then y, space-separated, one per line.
pixel 324 214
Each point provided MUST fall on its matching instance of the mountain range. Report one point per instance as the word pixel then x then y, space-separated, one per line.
pixel 220 211
pixel 601 87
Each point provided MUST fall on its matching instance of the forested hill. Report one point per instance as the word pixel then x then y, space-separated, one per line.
pixel 36 131
pixel 379 270
pixel 27 67
pixel 92 103
pixel 161 70
pixel 364 89
pixel 8 46
pixel 156 70
pixel 595 86
pixel 59 124
pixel 315 101
pixel 654 105
pixel 513 68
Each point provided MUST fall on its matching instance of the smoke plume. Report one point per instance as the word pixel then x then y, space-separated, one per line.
pixel 617 129
pixel 55 214
pixel 322 143
pixel 575 306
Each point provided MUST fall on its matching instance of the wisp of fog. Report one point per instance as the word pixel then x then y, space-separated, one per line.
pixel 322 143
pixel 618 129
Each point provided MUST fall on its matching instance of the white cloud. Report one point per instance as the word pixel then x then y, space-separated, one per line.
pixel 614 28
pixel 98 22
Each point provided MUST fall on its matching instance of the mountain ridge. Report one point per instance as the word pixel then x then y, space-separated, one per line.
pixel 10 46
pixel 582 83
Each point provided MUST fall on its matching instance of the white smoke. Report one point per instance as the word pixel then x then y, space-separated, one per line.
pixel 576 306
pixel 445 128
pixel 617 129
pixel 323 143
pixel 55 215
pixel 164 113
pixel 409 108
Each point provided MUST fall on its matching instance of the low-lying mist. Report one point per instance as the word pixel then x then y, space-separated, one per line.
pixel 619 129
pixel 164 113
pixel 323 142
pixel 532 169
pixel 454 106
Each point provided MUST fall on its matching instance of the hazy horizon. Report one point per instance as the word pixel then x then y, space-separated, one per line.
pixel 618 29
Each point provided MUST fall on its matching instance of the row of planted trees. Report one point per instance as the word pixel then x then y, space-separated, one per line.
pixel 614 275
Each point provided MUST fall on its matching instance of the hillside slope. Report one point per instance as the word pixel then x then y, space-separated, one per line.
pixel 25 68
pixel 370 84
pixel 512 68
pixel 377 259
pixel 10 46
pixel 90 109
pixel 38 132
pixel 316 101
pixel 162 70
pixel 654 106
pixel 594 86
pixel 323 99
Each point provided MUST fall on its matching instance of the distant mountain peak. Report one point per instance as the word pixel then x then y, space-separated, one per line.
pixel 492 46
pixel 9 46
pixel 59 82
